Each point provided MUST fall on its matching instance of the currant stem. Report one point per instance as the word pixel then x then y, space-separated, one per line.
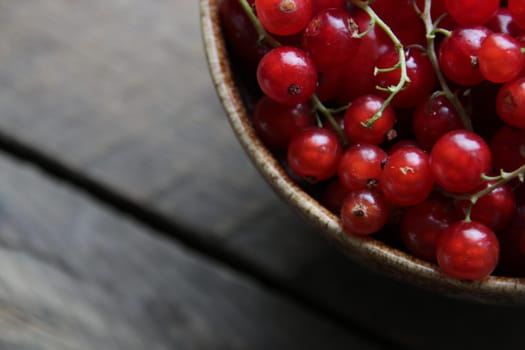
pixel 263 34
pixel 319 106
pixel 401 64
pixel 431 31
pixel 500 180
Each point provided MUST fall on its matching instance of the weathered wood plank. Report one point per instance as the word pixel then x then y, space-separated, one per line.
pixel 120 89
pixel 74 275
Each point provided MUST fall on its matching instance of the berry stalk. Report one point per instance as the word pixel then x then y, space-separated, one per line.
pixel 500 180
pixel 401 64
pixel 431 31
pixel 264 36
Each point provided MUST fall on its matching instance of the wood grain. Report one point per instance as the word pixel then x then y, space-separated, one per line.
pixel 75 275
pixel 119 89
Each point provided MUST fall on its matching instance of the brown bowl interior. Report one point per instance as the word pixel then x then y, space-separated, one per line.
pixel 364 250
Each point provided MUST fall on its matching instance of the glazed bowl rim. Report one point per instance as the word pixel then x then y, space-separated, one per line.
pixel 365 250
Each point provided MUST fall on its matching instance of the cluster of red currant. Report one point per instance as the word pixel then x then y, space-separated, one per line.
pixel 407 112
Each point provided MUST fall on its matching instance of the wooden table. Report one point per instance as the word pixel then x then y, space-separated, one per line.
pixel 131 219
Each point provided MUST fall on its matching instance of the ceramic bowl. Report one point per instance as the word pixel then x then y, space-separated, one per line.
pixel 365 250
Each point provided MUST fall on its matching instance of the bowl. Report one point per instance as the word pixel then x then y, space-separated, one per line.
pixel 365 250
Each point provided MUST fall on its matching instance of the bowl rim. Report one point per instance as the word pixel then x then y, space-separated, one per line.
pixel 364 250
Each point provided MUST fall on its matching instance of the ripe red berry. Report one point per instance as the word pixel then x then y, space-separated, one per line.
pixel 419 71
pixel 314 154
pixel 406 178
pixel 358 114
pixel 284 17
pixel 287 75
pixel 510 103
pixel 467 250
pixel 500 58
pixel 517 9
pixel 458 159
pixel 508 148
pixel 471 12
pixel 458 55
pixel 276 123
pixel 421 225
pixel 494 210
pixel 361 166
pixel 433 118
pixel 364 212
pixel 331 38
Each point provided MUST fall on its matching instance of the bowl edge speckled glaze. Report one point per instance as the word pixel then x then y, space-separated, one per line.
pixel 364 250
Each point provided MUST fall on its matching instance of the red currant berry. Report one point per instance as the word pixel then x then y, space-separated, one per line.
pixel 240 33
pixel 320 5
pixel 314 154
pixel 517 9
pixel 433 118
pixel 471 12
pixel 421 226
pixel 419 71
pixel 358 72
pixel 510 103
pixel 458 159
pixel 331 38
pixel 361 166
pixel 364 212
pixel 508 148
pixel 494 210
pixel 467 250
pixel 458 55
pixel 503 22
pixel 287 75
pixel 360 112
pixel 276 124
pixel 402 18
pixel 500 58
pixel 406 178
pixel 284 17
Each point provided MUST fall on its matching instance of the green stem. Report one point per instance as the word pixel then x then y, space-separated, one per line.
pixel 431 52
pixel 319 106
pixel 500 180
pixel 398 46
pixel 263 34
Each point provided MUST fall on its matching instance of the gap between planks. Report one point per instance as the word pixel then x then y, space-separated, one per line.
pixel 167 228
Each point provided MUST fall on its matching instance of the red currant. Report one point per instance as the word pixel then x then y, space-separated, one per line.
pixel 358 114
pixel 510 103
pixel 364 212
pixel 276 124
pixel 471 12
pixel 467 250
pixel 331 38
pixel 422 224
pixel 458 159
pixel 508 148
pixel 500 58
pixel 495 210
pixel 361 166
pixel 284 17
pixel 314 154
pixel 287 75
pixel 406 178
pixel 419 71
pixel 458 55
pixel 434 117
